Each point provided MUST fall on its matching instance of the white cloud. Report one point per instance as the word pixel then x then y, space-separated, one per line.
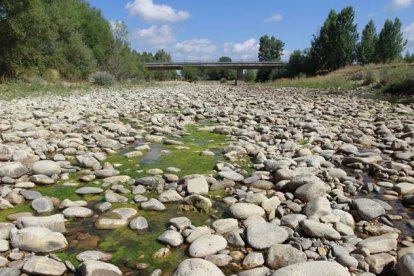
pixel 194 49
pixel 151 12
pixel 274 18
pixel 246 50
pixel 409 35
pixel 157 37
pixel 399 4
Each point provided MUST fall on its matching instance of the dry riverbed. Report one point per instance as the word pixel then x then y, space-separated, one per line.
pixel 206 180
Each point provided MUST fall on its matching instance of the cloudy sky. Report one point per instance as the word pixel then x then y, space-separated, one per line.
pixel 208 29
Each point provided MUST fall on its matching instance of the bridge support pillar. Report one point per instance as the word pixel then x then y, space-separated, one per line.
pixel 239 76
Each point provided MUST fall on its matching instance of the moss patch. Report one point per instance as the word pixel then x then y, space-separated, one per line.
pixel 190 160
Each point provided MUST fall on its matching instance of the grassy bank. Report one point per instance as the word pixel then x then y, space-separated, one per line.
pixel 10 90
pixel 394 79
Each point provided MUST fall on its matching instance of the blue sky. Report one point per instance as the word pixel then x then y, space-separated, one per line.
pixel 208 29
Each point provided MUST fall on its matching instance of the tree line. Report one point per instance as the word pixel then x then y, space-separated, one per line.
pixel 68 39
pixel 338 44
pixel 71 39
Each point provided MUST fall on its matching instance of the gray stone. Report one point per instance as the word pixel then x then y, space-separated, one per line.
pixel 195 266
pixel 380 244
pixel 232 175
pixel 405 265
pixel 171 237
pixel 319 230
pixel 37 239
pixel 40 265
pixel 153 205
pixel 41 179
pixel 4 245
pixel 224 226
pixel 281 255
pixel 198 232
pixel 56 223
pixel 347 260
pixel 264 235
pixel 252 260
pixel 46 167
pixel 180 222
pixel 318 268
pixel 42 204
pixel 12 169
pixel 77 212
pixel 115 219
pixel 88 190
pixel 5 228
pixel 93 255
pixel 170 196
pixel 112 197
pixel 258 271
pixel 139 224
pixel 378 262
pixel 207 245
pixel 98 268
pixel 30 195
pixel 318 207
pixel 197 185
pixel 367 208
pixel 245 210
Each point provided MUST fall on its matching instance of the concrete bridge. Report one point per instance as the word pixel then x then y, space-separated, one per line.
pixel 238 66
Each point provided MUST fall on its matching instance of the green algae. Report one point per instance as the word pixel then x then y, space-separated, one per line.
pixel 190 160
pixel 17 209
pixel 127 246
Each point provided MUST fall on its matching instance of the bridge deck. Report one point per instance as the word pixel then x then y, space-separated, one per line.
pixel 214 65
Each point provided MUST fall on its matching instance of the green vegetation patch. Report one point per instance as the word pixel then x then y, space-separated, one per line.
pixel 190 160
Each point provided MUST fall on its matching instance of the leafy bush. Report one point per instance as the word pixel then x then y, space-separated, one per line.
pixel 102 78
pixel 371 75
pixel 190 73
pixel 51 75
pixel 223 80
pixel 37 83
pixel 249 75
pixel 405 86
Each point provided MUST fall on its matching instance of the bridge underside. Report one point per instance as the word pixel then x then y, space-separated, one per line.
pixel 237 66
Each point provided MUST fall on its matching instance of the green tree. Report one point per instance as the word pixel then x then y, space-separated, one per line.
pixel 190 73
pixel 218 74
pixel 366 49
pixel 409 58
pixel 70 55
pixel 336 44
pixel 25 36
pixel 249 75
pixel 123 62
pixel 163 56
pixel 295 65
pixel 390 42
pixel 270 49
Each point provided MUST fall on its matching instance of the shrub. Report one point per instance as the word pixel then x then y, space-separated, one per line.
pixel 102 78
pixel 249 75
pixel 223 80
pixel 190 73
pixel 371 75
pixel 405 87
pixel 51 75
pixel 37 83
